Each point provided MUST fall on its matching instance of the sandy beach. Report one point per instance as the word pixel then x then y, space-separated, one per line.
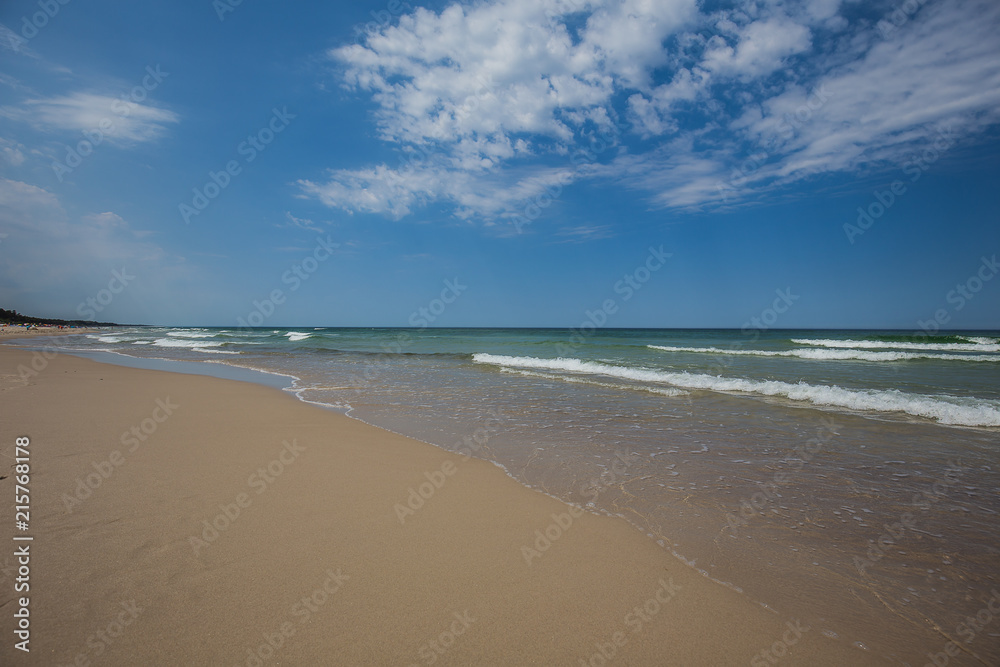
pixel 10 332
pixel 189 520
pixel 507 332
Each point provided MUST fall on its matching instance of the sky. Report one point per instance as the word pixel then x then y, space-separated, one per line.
pixel 817 164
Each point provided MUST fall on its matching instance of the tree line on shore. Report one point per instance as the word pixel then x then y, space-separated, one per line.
pixel 14 317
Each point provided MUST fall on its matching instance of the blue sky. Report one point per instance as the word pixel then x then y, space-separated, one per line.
pixel 534 150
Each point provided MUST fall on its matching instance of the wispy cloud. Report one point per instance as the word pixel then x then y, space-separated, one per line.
pixel 130 122
pixel 300 223
pixel 46 249
pixel 496 97
pixel 583 233
pixel 12 152
pixel 11 42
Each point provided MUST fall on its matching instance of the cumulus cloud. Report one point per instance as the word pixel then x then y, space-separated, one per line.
pixel 499 95
pixel 498 69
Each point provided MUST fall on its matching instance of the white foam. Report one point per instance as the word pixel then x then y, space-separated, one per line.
pixel 190 334
pixel 981 340
pixel 878 344
pixel 663 391
pixel 295 336
pixel 824 354
pixel 945 409
pixel 190 344
pixel 105 339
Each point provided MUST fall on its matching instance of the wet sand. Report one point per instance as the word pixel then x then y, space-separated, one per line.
pixel 182 519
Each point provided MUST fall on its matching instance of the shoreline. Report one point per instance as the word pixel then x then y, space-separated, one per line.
pixel 455 553
pixel 10 332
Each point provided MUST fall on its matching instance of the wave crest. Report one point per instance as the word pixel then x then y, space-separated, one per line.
pixel 823 354
pixel 901 345
pixel 952 410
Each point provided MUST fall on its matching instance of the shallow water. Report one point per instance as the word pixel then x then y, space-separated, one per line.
pixel 847 479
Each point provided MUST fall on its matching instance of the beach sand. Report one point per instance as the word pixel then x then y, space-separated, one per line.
pixel 318 560
pixel 12 332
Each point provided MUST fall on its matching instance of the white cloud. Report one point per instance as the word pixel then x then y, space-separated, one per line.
pixel 945 68
pixel 11 41
pixel 481 86
pixel 55 261
pixel 129 122
pixel 762 47
pixel 583 233
pixel 380 189
pixel 501 91
pixel 503 68
pixel 398 192
pixel 300 223
pixel 894 98
pixel 11 151
pixel 56 246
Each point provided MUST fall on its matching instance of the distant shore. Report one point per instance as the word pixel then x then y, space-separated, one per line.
pixel 182 519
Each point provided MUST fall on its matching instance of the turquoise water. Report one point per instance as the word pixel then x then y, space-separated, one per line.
pixel 772 461
pixel 946 379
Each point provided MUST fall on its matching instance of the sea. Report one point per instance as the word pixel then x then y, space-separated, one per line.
pixel 846 480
